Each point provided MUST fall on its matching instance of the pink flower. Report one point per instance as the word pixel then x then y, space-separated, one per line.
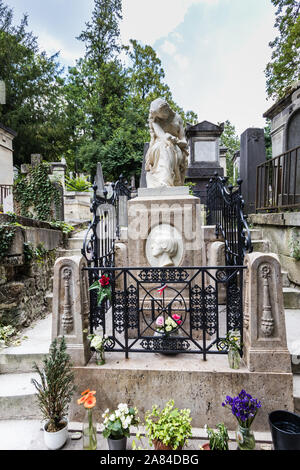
pixel 160 321
pixel 176 317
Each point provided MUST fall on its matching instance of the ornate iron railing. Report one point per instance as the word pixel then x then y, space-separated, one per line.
pixel 207 301
pixel 278 182
pixel 104 229
pixel 225 210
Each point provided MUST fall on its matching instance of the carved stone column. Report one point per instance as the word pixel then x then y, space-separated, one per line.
pixel 265 346
pixel 71 307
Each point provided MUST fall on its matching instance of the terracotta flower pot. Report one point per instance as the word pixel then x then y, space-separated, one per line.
pixel 206 446
pixel 158 445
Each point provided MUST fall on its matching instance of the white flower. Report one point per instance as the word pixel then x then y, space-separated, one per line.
pixel 112 417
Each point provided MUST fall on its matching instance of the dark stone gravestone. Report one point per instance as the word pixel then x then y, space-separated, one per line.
pixel 252 153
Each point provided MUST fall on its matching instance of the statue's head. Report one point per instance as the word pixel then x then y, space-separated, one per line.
pixel 160 108
pixel 164 247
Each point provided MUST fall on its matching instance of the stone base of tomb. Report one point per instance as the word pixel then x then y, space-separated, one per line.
pixel 147 379
pixel 164 208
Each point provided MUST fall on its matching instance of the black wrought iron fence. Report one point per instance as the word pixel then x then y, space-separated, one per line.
pixel 278 182
pixel 104 229
pixel 225 210
pixel 169 310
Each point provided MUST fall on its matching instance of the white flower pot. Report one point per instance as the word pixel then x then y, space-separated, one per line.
pixel 55 440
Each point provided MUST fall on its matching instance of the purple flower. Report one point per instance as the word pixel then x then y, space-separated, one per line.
pixel 243 407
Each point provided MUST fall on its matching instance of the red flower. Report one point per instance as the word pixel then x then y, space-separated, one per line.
pixel 104 281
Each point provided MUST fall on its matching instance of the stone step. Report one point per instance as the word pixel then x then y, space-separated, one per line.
pixel 285 279
pixel 75 243
pixel 68 252
pixel 296 380
pixel 291 297
pixel 261 246
pixel 17 359
pixel 256 234
pixel 18 396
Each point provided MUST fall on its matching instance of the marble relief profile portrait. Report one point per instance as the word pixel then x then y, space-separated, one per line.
pixel 164 246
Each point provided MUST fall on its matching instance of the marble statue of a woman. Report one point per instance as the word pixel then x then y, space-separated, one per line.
pixel 166 159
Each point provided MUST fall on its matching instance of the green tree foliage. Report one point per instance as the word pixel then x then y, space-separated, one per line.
pixel 98 111
pixel 33 91
pixel 108 102
pixel 231 141
pixel 268 139
pixel 101 36
pixel 284 67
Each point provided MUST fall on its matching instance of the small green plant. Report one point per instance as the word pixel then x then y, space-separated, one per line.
pixel 55 390
pixel 79 184
pixel 218 439
pixel 190 185
pixel 10 336
pixel 7 336
pixel 7 234
pixel 170 425
pixel 63 226
pixel 32 253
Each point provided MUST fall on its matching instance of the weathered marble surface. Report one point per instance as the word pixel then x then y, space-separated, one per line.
pixel 166 158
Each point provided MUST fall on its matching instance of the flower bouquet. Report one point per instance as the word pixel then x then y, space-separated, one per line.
pixel 89 430
pixel 103 287
pixel 116 425
pixel 169 325
pixel 244 408
pixel 233 344
pixel 98 343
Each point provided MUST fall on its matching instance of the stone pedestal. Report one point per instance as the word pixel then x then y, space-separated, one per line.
pixel 265 346
pixel 158 214
pixel 71 307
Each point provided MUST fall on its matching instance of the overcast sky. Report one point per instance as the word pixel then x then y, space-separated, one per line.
pixel 214 52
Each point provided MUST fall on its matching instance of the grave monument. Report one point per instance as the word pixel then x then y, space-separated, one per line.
pixel 164 220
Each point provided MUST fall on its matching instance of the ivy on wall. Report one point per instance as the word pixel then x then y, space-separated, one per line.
pixel 7 233
pixel 35 192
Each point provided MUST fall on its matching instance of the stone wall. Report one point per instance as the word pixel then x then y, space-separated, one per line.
pixel 23 290
pixel 282 230
pixel 26 279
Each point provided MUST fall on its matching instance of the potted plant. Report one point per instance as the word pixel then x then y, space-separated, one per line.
pixel 244 408
pixel 98 343
pixel 116 425
pixel 218 439
pixel 169 428
pixel 54 393
pixel 89 431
